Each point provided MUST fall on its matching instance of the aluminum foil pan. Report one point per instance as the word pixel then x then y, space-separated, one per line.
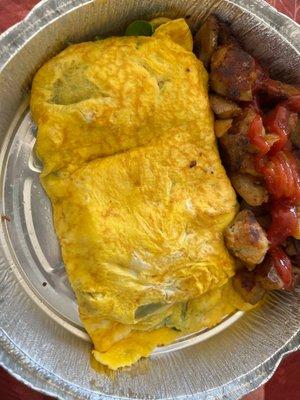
pixel 42 340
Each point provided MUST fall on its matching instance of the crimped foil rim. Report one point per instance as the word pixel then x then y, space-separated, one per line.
pixel 235 394
pixel 287 25
pixel 11 354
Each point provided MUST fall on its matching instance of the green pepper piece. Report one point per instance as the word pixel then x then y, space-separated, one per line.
pixel 139 28
pixel 147 309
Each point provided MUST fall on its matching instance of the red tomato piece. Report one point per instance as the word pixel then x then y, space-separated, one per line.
pixel 283 266
pixel 277 121
pixel 284 222
pixel 256 135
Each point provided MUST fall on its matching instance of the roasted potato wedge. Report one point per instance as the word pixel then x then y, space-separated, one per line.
pixel 237 155
pixel 233 73
pixel 235 150
pixel 222 126
pixel 238 151
pixel 246 239
pixel 247 166
pixel 206 40
pixel 222 107
pixel 243 120
pixel 245 283
pixel 236 144
pixel 250 188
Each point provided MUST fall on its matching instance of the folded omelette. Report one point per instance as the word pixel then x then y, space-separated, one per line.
pixel 140 197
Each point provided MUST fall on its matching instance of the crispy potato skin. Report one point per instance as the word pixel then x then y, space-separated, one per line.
pixel 233 72
pixel 246 239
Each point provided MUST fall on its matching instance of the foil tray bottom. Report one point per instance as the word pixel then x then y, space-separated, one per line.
pixel 33 243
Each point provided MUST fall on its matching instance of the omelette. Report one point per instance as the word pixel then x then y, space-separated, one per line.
pixel 140 197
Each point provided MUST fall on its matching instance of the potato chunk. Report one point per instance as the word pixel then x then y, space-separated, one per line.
pixel 250 188
pixel 222 126
pixel 206 40
pixel 222 107
pixel 236 149
pixel 233 73
pixel 236 144
pixel 245 283
pixel 246 239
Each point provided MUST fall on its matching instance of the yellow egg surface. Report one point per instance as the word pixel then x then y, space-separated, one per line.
pixel 140 197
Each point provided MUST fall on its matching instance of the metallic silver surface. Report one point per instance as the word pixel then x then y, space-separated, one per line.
pixel 42 340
